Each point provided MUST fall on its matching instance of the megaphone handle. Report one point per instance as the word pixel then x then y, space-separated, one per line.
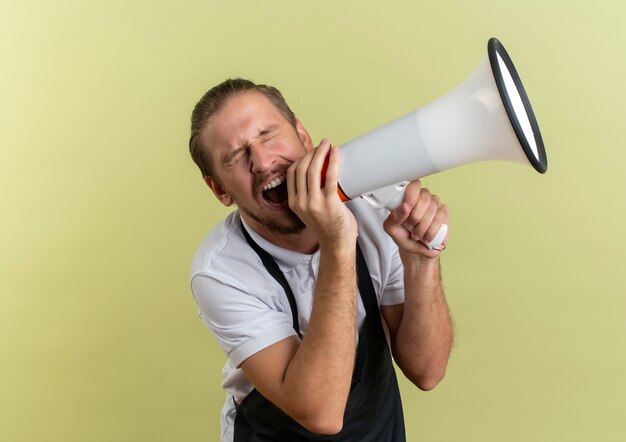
pixel 391 197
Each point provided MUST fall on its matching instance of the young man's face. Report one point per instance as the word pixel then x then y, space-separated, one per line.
pixel 251 146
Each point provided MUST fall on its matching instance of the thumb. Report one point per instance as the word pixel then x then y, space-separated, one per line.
pixel 398 215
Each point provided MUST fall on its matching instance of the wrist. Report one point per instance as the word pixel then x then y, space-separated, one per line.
pixel 415 261
pixel 426 272
pixel 341 248
pixel 339 241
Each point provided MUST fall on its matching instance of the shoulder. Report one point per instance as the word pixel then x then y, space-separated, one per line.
pixel 224 253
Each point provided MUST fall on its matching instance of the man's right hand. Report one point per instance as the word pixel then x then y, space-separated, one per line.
pixel 320 208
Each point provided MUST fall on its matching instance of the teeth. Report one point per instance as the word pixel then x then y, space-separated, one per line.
pixel 277 182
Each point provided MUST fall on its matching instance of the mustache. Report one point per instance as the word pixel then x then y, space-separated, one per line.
pixel 260 179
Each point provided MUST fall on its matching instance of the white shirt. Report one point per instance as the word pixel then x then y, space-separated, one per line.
pixel 247 310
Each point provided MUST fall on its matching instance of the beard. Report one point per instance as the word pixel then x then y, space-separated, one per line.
pixel 288 224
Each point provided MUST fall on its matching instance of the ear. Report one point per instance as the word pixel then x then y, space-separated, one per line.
pixel 219 191
pixel 304 136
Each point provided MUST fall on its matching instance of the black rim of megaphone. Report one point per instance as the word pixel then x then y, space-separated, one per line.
pixel 494 48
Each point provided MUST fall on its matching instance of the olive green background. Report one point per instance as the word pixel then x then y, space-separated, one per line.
pixel 101 207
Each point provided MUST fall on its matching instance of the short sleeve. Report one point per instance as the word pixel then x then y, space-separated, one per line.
pixel 243 321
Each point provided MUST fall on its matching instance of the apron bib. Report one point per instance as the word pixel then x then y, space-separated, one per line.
pixel 373 411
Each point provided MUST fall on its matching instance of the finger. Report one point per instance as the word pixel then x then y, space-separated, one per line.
pixel 418 211
pixel 332 171
pixel 411 195
pixel 314 172
pixel 439 242
pixel 397 216
pixel 442 217
pixel 301 174
pixel 427 217
pixel 291 179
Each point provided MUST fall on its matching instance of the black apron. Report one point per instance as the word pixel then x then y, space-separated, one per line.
pixel 373 411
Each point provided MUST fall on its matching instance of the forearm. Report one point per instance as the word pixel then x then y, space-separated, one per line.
pixel 318 377
pixel 424 336
pixel 315 383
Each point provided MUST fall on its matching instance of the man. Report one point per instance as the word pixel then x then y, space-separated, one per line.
pixel 293 283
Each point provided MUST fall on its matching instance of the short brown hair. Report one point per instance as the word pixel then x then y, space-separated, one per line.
pixel 214 100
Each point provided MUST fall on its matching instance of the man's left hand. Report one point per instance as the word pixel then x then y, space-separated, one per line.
pixel 416 222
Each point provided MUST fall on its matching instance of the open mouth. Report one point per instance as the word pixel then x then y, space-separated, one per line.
pixel 275 192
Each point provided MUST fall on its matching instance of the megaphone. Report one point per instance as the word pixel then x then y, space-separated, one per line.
pixel 487 117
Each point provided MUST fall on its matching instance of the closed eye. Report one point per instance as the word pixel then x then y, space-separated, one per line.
pixel 269 132
pixel 235 155
pixel 268 137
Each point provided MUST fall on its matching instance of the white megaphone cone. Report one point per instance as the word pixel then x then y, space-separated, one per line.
pixel 487 117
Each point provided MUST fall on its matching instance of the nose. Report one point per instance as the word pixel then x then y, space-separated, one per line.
pixel 261 159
